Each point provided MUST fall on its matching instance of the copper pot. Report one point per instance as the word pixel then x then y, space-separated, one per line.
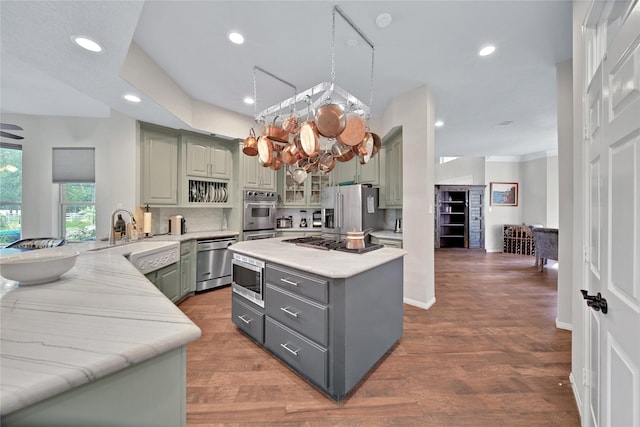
pixel 326 162
pixel 265 151
pixel 290 124
pixel 250 145
pixel 330 120
pixel 342 152
pixel 354 131
pixel 286 156
pixel 276 133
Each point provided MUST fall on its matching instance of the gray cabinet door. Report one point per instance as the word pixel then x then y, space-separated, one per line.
pixel 168 281
pixel 476 218
pixel 306 285
pixel 300 314
pixel 248 319
pixel 298 352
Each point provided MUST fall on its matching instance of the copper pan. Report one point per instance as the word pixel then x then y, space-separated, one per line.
pixel 330 120
pixel 250 145
pixel 366 149
pixel 309 139
pixel 290 124
pixel 342 152
pixel 326 162
pixel 377 143
pixel 265 151
pixel 354 132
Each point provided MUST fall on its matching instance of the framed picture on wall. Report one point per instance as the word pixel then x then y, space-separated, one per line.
pixel 504 193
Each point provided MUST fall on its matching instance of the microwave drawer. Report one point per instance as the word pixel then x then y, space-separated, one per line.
pixel 310 286
pixel 304 356
pixel 300 314
pixel 248 319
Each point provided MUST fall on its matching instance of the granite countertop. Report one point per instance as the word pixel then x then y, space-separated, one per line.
pixel 386 234
pixel 334 264
pixel 100 317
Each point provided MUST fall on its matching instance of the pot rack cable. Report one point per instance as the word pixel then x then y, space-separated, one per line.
pixel 323 90
pixel 255 91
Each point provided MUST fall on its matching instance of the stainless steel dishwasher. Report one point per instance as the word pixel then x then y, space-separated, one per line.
pixel 213 268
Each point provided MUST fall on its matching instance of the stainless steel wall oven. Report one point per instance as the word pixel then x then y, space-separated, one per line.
pixel 258 215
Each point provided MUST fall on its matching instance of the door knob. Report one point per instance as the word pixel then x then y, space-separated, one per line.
pixel 596 302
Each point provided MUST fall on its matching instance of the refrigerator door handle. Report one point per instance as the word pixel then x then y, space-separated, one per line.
pixel 340 210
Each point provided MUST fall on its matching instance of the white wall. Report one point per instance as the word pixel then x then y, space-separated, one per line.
pixel 414 111
pixel 115 140
pixel 461 171
pixel 497 216
pixel 533 191
pixel 564 185
pixel 553 187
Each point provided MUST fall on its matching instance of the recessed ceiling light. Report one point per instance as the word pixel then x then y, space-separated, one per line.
pixel 487 50
pixel 132 98
pixel 87 43
pixel 236 38
pixel 248 100
pixel 439 123
pixel 383 20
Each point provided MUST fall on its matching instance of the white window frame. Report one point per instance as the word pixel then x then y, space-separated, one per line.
pixel 64 203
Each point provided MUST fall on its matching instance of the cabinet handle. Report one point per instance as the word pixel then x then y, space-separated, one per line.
pixel 289 282
pixel 245 320
pixel 286 347
pixel 289 312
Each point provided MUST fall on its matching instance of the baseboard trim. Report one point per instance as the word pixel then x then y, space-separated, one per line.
pixel 576 395
pixel 420 304
pixel 563 325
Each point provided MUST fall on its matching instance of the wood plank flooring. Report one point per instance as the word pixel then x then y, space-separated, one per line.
pixel 486 354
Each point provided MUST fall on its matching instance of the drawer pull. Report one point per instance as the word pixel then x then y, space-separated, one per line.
pixel 289 282
pixel 289 312
pixel 286 347
pixel 247 321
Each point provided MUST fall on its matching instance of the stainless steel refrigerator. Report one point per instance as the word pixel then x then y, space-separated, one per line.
pixel 349 208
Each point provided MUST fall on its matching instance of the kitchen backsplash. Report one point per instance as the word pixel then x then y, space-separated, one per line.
pixel 297 215
pixel 197 219
pixel 390 216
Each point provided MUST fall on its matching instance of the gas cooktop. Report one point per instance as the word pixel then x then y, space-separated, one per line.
pixel 331 244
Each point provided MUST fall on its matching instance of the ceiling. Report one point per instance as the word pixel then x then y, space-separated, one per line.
pixel 500 105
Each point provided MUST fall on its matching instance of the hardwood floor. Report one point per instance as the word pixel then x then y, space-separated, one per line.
pixel 486 354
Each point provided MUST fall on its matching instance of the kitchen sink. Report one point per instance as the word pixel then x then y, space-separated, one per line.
pixel 146 256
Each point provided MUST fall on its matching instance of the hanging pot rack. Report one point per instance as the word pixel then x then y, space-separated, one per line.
pixel 313 98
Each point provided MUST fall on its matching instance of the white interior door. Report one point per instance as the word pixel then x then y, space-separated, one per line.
pixel 613 218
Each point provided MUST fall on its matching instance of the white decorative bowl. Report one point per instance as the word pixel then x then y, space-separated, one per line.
pixel 38 266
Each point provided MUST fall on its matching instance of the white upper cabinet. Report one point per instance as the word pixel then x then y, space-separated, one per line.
pixel 159 155
pixel 207 159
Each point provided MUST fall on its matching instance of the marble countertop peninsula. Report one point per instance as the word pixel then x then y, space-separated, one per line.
pixel 100 317
pixel 334 264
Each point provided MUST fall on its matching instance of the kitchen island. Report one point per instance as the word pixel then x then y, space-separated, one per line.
pixel 331 316
pixel 99 346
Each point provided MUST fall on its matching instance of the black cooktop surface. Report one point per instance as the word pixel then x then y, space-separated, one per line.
pixel 331 244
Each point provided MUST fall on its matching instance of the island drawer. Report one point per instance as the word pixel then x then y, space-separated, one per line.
pixel 302 315
pixel 298 352
pixel 307 285
pixel 247 318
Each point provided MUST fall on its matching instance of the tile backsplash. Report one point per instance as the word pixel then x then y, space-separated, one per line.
pixel 197 219
pixel 390 216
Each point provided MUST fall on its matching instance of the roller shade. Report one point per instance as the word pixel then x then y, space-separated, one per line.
pixel 71 164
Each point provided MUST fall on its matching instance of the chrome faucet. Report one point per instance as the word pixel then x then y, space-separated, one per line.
pixel 112 233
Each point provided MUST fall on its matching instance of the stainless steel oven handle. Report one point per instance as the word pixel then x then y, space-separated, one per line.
pixel 286 347
pixel 268 204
